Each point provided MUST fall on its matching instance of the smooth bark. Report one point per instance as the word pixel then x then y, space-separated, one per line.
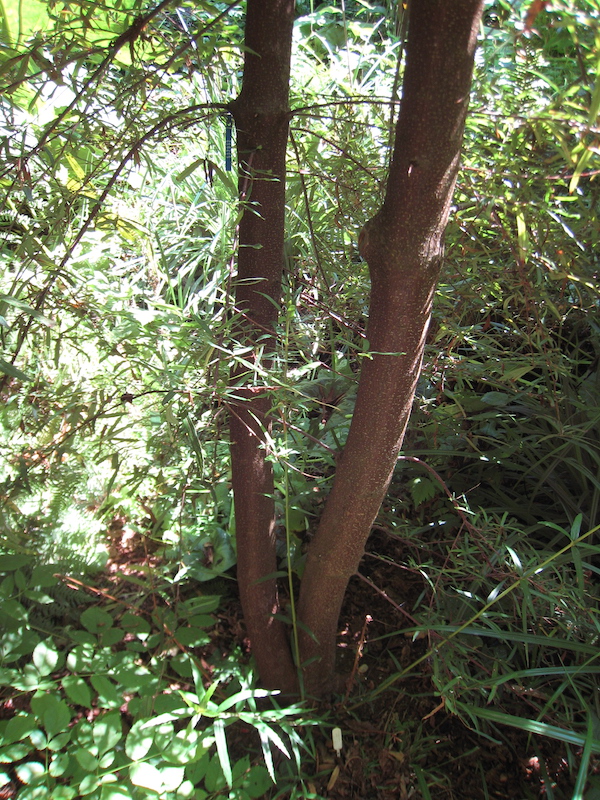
pixel 403 245
pixel 261 115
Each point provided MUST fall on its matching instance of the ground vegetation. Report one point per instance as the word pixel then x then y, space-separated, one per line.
pixel 468 635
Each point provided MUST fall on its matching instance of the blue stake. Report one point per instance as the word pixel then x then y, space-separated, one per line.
pixel 228 138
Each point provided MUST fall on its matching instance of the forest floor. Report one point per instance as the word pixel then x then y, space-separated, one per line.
pixel 400 744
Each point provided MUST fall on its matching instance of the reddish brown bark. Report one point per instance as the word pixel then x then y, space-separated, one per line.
pixel 261 114
pixel 403 246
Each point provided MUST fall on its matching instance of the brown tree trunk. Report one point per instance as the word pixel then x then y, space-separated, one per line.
pixel 403 245
pixel 261 114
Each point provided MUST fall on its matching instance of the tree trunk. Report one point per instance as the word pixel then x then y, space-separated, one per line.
pixel 261 115
pixel 403 245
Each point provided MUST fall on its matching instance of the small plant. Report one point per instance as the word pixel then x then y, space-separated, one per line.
pixel 112 702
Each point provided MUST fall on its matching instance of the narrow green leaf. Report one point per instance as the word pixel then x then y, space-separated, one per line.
pixel 531 726
pixel 9 369
pixel 582 772
pixel 222 750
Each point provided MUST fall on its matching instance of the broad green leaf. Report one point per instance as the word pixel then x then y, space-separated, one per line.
pixel 53 713
pixel 134 623
pixel 163 735
pixel 45 657
pixel 192 637
pixel 146 776
pixel 59 764
pixel 38 739
pixel 111 792
pixel 11 562
pixel 107 692
pixel 29 771
pixel 257 782
pixel 18 728
pixel 87 761
pixel 77 690
pixel 172 777
pixel 63 793
pixel 496 399
pixel 88 785
pixel 184 747
pixel 96 620
pixel 139 741
pixel 57 719
pixel 59 741
pixel 15 752
pixel 107 731
pixel 214 779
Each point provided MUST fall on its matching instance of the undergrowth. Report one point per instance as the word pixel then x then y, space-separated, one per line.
pixel 115 326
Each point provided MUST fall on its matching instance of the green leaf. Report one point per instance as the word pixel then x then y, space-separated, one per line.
pixel 582 163
pixel 184 747
pixel 96 620
pixel 56 721
pixel 59 741
pixel 9 369
pixel 134 623
pixel 172 777
pixel 257 782
pixel 532 726
pixel 53 713
pixel 223 750
pixel 38 739
pixel 197 769
pixel 163 735
pixel 29 771
pixel 21 19
pixel 86 760
pixel 8 563
pixel 422 490
pixel 18 728
pixel 63 793
pixel 77 690
pixel 89 784
pixel 59 765
pixel 181 176
pixel 107 731
pixel 107 692
pixel 139 740
pixel 15 752
pixel 45 657
pixel 43 576
pixel 80 658
pixel 214 780
pixel 499 399
pixel 146 776
pixel 112 792
pixel 192 637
